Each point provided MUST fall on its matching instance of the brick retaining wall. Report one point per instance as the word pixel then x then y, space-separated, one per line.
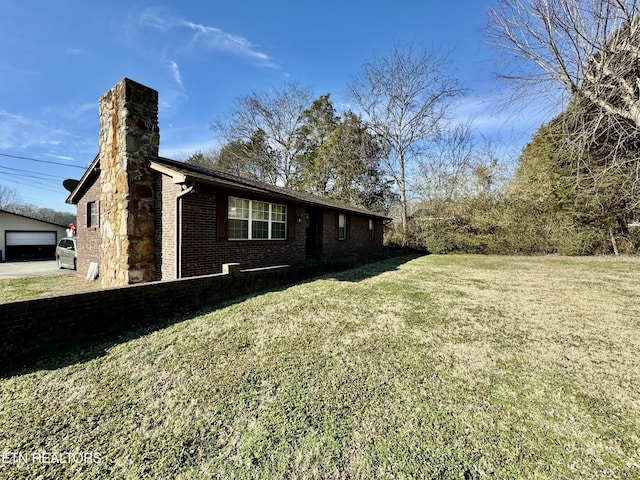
pixel 31 328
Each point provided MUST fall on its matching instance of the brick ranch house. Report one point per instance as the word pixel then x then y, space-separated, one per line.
pixel 144 218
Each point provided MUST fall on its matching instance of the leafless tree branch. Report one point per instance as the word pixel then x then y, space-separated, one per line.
pixel 405 97
pixel 589 51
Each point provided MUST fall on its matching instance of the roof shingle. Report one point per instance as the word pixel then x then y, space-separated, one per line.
pixel 229 181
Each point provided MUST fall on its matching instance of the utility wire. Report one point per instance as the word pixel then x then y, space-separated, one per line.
pixel 41 161
pixel 31 174
pixel 31 183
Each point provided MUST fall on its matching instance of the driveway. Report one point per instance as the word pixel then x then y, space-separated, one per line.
pixel 31 269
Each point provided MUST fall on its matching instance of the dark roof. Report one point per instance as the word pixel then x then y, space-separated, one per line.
pixel 185 172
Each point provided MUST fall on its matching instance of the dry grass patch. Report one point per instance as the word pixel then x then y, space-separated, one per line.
pixel 33 287
pixel 439 367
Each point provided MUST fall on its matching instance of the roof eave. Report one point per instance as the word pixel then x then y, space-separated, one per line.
pixel 87 177
pixel 181 175
pixel 177 177
pixel 281 196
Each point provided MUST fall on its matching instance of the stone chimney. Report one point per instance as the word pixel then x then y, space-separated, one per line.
pixel 128 134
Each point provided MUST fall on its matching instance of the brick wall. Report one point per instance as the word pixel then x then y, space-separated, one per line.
pixel 257 253
pixel 88 237
pixel 165 227
pixel 41 326
pixel 203 249
pixel 198 231
pixel 358 241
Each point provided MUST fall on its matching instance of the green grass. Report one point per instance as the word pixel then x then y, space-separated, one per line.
pixel 16 289
pixel 439 367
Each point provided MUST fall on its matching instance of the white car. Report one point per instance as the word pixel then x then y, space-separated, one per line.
pixel 67 253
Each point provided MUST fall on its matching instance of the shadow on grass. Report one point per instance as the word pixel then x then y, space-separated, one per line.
pixel 370 270
pixel 87 351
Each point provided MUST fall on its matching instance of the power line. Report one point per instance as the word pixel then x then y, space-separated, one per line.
pixel 31 173
pixel 31 183
pixel 41 161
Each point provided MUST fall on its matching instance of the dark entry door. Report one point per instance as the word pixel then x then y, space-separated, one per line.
pixel 314 234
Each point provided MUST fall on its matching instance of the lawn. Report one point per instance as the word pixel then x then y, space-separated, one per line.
pixel 430 367
pixel 16 289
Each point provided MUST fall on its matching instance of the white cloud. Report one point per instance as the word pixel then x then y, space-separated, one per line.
pixel 172 98
pixel 175 69
pixel 215 39
pixel 81 111
pixel 11 70
pixel 158 18
pixel 205 37
pixel 60 157
pixel 18 133
pixel 181 141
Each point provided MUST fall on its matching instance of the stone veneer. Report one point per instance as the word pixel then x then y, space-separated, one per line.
pixel 128 133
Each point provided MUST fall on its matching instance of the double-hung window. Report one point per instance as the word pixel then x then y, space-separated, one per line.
pixel 254 220
pixel 342 226
pixel 93 214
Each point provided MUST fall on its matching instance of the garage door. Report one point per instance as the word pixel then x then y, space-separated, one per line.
pixel 25 245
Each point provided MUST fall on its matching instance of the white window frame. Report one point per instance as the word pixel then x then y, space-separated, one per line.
pixel 342 226
pixel 250 220
pixel 93 214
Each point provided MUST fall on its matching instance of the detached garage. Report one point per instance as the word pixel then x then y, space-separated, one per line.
pixel 23 238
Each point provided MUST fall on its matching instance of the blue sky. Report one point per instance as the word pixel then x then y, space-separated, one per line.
pixel 58 57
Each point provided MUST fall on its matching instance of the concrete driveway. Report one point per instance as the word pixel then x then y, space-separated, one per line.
pixel 31 269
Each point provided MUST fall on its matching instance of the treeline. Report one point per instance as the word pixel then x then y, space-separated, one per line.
pixel 556 202
pixel 44 214
pixel 560 197
pixel 576 187
pixel 510 225
pixel 574 190
pixel 283 138
pixel 461 197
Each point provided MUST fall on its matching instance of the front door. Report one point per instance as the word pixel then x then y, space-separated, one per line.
pixel 314 234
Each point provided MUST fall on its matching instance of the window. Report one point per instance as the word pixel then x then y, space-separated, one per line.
pixel 260 220
pixel 278 222
pixel 342 226
pixel 253 220
pixel 372 229
pixel 92 214
pixel 238 218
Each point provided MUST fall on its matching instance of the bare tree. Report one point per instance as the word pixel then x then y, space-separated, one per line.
pixel 444 173
pixel 8 198
pixel 458 167
pixel 405 97
pixel 589 52
pixel 577 45
pixel 264 127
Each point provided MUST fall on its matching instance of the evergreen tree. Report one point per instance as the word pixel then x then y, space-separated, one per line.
pixel 341 159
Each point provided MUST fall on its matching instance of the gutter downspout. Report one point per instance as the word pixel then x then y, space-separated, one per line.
pixel 179 197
